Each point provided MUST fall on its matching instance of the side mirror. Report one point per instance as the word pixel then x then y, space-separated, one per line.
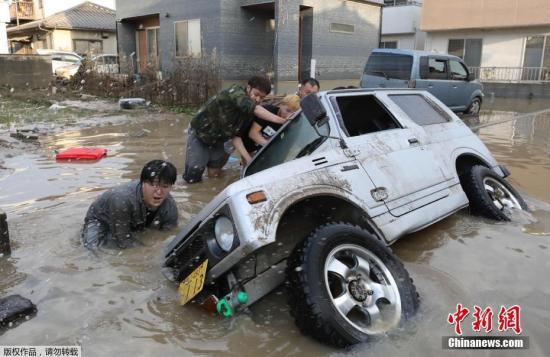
pixel 471 76
pixel 313 109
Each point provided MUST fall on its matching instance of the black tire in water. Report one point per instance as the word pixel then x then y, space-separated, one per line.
pixel 490 195
pixel 344 286
pixel 474 107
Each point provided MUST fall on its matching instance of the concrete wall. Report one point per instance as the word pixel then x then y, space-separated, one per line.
pixel 501 48
pixel 62 40
pixel 518 90
pixel 401 19
pixel 342 55
pixel 246 41
pixel 440 15
pixel 25 71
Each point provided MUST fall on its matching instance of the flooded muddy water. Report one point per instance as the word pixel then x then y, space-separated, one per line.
pixel 120 304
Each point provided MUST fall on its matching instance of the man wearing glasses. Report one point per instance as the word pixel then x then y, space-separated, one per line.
pixel 132 207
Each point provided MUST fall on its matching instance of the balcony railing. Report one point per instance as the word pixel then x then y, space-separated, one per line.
pixel 511 74
pixel 22 10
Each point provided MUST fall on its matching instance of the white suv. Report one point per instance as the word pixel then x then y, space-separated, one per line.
pixel 350 174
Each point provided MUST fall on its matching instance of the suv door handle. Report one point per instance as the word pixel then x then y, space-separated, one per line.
pixel 413 141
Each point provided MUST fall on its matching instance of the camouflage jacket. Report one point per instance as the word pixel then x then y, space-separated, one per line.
pixel 221 116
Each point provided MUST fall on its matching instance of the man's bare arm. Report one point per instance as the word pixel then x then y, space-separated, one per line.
pixel 265 114
pixel 238 144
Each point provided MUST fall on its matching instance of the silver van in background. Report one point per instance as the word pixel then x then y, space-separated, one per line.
pixel 443 75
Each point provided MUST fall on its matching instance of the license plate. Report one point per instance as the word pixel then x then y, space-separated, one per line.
pixel 192 285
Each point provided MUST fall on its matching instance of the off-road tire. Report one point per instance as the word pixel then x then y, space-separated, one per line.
pixel 309 299
pixel 481 203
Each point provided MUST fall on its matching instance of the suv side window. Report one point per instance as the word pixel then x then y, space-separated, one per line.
pixel 420 110
pixel 458 71
pixel 364 114
pixel 433 68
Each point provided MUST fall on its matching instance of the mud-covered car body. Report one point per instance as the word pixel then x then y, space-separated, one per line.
pixel 388 161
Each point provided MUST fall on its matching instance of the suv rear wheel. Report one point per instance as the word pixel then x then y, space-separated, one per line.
pixel 345 285
pixel 490 195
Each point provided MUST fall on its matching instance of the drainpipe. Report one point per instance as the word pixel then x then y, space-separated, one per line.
pixel 380 27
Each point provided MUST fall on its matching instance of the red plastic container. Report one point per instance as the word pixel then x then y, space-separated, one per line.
pixel 81 154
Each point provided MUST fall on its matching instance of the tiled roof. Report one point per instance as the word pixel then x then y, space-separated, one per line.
pixel 86 16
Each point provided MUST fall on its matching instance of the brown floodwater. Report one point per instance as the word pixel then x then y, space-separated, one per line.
pixel 120 304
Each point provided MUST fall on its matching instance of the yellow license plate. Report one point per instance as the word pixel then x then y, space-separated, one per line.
pixel 192 285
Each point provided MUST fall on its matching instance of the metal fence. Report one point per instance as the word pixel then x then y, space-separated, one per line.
pixel 511 74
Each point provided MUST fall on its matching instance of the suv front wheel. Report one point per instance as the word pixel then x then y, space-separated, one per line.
pixel 474 107
pixel 345 285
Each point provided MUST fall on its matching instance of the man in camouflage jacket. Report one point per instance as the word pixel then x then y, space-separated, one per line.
pixel 218 121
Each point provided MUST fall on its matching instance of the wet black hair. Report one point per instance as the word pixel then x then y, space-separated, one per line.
pixel 163 170
pixel 312 82
pixel 261 83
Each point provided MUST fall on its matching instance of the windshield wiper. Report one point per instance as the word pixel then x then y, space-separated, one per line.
pixel 308 149
pixel 380 72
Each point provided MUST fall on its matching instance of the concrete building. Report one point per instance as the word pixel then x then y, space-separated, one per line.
pixel 281 37
pixel 4 20
pixel 85 29
pixel 401 25
pixel 512 36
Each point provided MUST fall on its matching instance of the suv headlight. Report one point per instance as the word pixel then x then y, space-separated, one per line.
pixel 224 232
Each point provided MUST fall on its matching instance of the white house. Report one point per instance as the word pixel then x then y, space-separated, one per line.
pixel 508 39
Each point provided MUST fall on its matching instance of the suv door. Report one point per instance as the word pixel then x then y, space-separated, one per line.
pixel 434 77
pixel 405 172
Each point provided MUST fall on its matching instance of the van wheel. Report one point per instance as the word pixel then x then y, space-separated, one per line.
pixel 490 195
pixel 345 286
pixel 475 106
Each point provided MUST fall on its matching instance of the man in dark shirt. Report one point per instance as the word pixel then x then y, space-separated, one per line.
pixel 256 134
pixel 218 121
pixel 132 207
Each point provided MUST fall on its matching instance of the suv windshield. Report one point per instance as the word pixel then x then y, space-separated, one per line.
pixel 296 139
pixel 389 65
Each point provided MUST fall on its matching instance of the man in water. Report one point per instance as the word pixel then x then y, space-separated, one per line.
pixel 219 121
pixel 132 207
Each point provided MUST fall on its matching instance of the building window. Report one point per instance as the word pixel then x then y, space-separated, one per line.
pixel 467 49
pixel 388 44
pixel 88 47
pixel 188 38
pixel 342 28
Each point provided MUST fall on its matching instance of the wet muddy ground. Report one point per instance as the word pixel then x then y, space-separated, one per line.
pixel 120 304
